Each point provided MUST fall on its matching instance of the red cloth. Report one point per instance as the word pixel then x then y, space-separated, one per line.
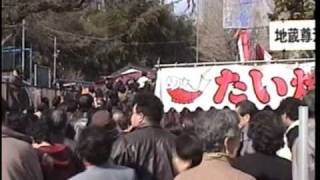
pixel 58 162
pixel 246 44
pixel 259 52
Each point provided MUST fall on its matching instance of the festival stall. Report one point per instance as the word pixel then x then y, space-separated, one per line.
pixel 223 84
pixel 130 72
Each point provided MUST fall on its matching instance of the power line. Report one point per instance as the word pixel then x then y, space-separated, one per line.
pixel 133 43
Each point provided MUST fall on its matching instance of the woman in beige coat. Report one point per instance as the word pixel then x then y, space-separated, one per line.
pixel 220 135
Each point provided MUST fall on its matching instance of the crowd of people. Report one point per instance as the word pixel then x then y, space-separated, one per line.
pixel 121 132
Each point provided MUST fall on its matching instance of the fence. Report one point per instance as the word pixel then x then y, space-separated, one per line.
pixel 34 93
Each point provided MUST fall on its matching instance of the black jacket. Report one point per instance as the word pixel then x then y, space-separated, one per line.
pixel 264 167
pixel 148 150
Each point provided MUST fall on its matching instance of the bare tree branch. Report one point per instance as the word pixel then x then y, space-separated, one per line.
pixel 4 40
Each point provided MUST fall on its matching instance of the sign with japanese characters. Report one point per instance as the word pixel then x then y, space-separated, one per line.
pixel 292 35
pixel 220 86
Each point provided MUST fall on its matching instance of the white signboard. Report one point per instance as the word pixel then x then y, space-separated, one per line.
pixel 292 35
pixel 219 86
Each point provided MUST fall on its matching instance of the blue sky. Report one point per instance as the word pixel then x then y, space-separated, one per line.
pixel 180 7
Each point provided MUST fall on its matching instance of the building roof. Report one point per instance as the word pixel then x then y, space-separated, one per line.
pixel 130 68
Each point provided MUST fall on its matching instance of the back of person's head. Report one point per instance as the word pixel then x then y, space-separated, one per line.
pixel 102 118
pixel 42 107
pixel 189 148
pixel 290 107
pixel 16 121
pixel 214 128
pixel 45 100
pixel 99 92
pixel 267 108
pixel 150 106
pixel 57 120
pixel 246 107
pixel 30 110
pixel 109 85
pixel 121 119
pixel 56 101
pixel 266 132
pixel 171 122
pixel 310 101
pixel 144 73
pixel 72 106
pixel 95 145
pixel 91 89
pixel 40 131
pixel 187 121
pixel 85 102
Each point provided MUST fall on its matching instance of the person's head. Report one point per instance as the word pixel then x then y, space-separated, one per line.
pixel 42 107
pixel 288 110
pixel 72 106
pixel 246 110
pixel 85 102
pixel 310 101
pixel 30 110
pixel 56 101
pixel 99 92
pixel 51 127
pixel 95 145
pixel 109 85
pixel 121 119
pixel 45 101
pixel 187 122
pixel 188 152
pixel 57 120
pixel 118 85
pixel 40 131
pixel 219 131
pixel 147 108
pixel 122 89
pixel 144 73
pixel 101 103
pixel 91 89
pixel 102 118
pixel 266 132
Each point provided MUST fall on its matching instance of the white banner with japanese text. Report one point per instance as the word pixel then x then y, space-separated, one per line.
pixel 226 85
pixel 292 35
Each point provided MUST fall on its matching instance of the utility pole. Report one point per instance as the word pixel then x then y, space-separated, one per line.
pixel 30 65
pixel 197 46
pixel 55 59
pixel 23 46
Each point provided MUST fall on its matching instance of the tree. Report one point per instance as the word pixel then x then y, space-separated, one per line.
pixel 94 42
pixel 215 42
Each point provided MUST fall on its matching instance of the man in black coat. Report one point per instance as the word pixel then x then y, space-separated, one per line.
pixel 148 148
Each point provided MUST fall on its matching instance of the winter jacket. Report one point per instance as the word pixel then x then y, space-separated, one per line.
pixel 19 159
pixel 148 150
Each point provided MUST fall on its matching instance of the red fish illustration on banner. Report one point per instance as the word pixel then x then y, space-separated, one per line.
pixel 182 92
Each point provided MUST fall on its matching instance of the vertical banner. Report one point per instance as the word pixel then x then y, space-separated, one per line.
pixel 246 13
pixel 226 85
